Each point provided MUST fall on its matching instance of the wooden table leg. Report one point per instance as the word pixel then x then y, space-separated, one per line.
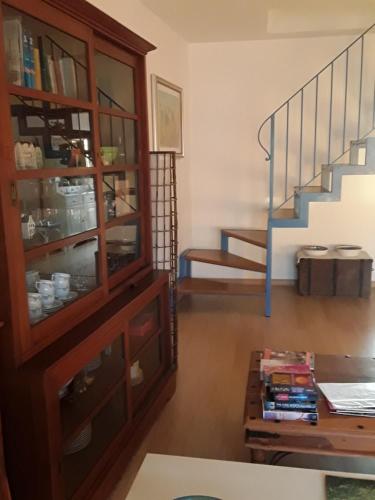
pixel 258 456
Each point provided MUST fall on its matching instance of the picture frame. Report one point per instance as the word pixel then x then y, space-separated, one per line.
pixel 167 116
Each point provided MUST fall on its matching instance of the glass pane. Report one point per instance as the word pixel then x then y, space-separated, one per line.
pixel 59 278
pixel 143 326
pixel 144 369
pixel 120 194
pixel 123 245
pixel 44 58
pixel 87 448
pixel 56 207
pixel 82 393
pixel 48 135
pixel 115 83
pixel 118 140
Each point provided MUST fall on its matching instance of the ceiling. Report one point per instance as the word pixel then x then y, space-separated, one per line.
pixel 229 20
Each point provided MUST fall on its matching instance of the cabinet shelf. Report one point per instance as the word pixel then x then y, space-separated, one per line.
pixel 85 410
pixel 44 173
pixel 122 219
pixel 53 246
pixel 142 348
pixel 41 95
pixel 118 112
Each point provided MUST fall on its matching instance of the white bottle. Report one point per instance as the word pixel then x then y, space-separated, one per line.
pixel 39 156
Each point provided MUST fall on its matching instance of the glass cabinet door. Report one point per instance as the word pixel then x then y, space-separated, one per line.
pixel 118 130
pixel 93 411
pixel 41 57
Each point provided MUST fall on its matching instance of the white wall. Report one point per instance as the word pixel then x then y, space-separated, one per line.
pixel 170 61
pixel 234 86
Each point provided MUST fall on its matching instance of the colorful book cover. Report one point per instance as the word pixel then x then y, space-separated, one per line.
pixel 287 405
pixel 59 82
pixel 26 61
pixel 69 77
pixel 38 73
pixel 294 398
pixel 46 83
pixel 292 379
pixel 13 43
pixel 292 369
pixel 31 60
pixel 345 488
pixel 284 358
pixel 290 415
pixel 52 74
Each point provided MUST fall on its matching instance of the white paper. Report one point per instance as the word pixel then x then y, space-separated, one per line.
pixel 350 396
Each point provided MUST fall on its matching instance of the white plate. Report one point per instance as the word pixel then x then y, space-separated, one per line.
pixel 36 320
pixel 53 307
pixel 71 296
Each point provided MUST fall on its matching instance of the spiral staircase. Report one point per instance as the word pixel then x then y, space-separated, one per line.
pixel 321 133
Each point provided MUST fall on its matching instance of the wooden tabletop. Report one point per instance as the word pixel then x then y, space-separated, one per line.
pixel 333 434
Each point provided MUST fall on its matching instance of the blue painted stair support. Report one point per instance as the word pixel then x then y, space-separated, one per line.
pixel 184 266
pixel 268 304
pixel 362 154
pixel 224 242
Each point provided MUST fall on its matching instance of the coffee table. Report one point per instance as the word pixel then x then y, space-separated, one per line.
pixel 332 435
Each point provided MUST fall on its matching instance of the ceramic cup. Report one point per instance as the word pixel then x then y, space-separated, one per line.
pixel 47 291
pixel 35 305
pixel 61 283
pixel 31 278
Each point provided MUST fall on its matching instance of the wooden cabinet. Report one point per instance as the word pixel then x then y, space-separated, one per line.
pixel 74 154
pixel 85 348
pixel 90 394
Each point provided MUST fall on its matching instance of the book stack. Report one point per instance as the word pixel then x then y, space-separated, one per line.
pixel 289 391
pixel 31 64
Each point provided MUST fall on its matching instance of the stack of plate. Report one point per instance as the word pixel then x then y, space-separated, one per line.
pixel 55 306
pixel 79 442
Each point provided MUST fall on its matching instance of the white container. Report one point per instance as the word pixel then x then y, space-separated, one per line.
pixel 348 250
pixel 47 290
pixel 31 278
pixel 35 306
pixel 315 250
pixel 61 283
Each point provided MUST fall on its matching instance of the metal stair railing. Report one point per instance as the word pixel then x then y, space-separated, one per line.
pixel 55 46
pixel 315 125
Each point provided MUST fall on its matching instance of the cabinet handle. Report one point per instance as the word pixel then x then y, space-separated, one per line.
pixel 13 193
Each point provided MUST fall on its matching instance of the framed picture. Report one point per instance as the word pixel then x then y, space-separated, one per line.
pixel 167 116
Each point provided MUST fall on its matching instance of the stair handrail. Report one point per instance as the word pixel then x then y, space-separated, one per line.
pixel 306 84
pixel 79 63
pixel 271 119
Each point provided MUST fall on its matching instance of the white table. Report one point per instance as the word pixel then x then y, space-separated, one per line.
pixel 163 477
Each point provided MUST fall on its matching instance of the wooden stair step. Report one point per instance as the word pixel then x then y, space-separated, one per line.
pixel 256 237
pixel 206 286
pixel 226 259
pixel 311 189
pixel 284 213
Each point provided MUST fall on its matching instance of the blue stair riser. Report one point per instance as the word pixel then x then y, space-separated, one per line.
pixel 332 181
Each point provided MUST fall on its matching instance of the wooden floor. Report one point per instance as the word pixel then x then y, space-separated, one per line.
pixel 216 335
